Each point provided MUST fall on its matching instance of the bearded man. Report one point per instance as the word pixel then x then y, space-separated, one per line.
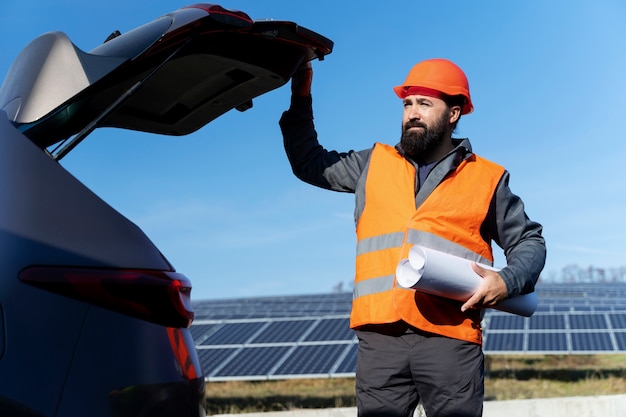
pixel 431 190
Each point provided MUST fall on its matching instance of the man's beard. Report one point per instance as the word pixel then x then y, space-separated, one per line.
pixel 419 144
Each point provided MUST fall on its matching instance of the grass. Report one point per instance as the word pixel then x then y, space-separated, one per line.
pixel 521 377
pixel 506 378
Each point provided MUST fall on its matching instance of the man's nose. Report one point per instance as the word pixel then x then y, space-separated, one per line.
pixel 413 113
pixel 416 116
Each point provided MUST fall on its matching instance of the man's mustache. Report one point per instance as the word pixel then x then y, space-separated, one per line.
pixel 414 123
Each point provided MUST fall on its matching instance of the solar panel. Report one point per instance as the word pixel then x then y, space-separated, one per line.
pixel 591 342
pixel 309 335
pixel 547 321
pixel 212 359
pixel 347 365
pixel 198 332
pixel 332 329
pixel 252 362
pixel 233 333
pixel 547 342
pixel 311 360
pixel 284 331
pixel 505 342
pixel 507 322
pixel 587 321
pixel 620 340
pixel 618 320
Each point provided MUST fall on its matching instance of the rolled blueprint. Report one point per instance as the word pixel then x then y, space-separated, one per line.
pixel 438 273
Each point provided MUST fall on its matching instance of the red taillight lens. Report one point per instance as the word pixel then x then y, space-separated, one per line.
pixel 231 17
pixel 161 297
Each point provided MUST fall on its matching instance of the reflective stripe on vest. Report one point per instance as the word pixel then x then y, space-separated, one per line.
pixel 370 245
pixel 375 243
pixel 440 222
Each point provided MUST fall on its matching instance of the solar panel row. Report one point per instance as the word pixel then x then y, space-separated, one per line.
pixel 309 336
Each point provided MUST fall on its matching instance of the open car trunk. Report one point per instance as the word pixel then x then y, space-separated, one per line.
pixel 171 76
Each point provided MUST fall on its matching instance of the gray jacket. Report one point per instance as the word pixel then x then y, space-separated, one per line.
pixel 506 223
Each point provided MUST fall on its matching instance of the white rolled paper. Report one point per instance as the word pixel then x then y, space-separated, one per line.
pixel 438 273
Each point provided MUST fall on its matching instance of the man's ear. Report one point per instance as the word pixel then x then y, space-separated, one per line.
pixel 455 114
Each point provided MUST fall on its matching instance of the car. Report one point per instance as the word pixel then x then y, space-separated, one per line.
pixel 94 320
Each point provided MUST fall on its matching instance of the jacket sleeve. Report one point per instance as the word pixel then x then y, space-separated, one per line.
pixel 310 162
pixel 520 238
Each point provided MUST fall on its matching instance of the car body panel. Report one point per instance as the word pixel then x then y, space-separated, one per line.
pixel 31 341
pixel 134 378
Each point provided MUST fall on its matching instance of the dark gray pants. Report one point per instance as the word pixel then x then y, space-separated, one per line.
pixel 397 367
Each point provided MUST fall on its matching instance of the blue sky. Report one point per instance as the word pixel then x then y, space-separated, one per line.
pixel 548 82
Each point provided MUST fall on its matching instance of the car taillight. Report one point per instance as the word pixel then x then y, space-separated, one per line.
pixel 161 297
pixel 231 17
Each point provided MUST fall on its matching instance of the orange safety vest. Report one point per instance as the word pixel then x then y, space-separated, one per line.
pixel 448 220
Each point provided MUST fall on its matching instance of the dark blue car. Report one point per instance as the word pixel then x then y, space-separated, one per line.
pixel 93 318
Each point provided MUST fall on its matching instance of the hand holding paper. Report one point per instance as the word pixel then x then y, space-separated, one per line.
pixel 450 276
pixel 492 290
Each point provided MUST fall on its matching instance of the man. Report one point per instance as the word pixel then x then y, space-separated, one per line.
pixel 430 190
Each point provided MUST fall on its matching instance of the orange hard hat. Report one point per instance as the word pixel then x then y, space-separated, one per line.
pixel 437 76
